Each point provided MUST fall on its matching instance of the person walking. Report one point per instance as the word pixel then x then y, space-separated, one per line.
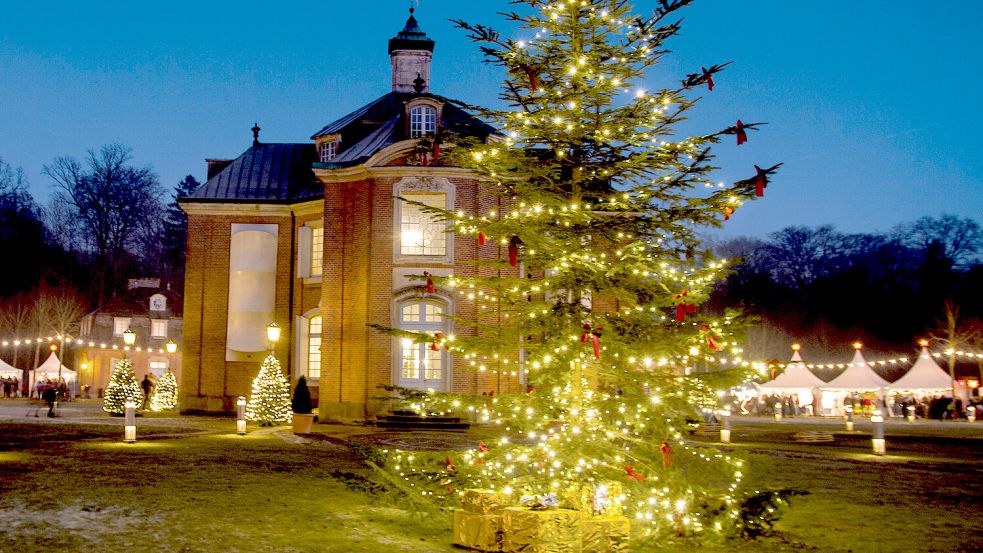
pixel 147 385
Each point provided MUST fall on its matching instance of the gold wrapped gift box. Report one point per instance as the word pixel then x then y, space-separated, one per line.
pixel 542 531
pixel 605 534
pixel 485 502
pixel 594 499
pixel 478 531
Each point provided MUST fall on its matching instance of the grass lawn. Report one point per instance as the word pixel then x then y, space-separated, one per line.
pixel 80 489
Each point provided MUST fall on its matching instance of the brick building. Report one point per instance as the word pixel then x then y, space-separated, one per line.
pixel 313 236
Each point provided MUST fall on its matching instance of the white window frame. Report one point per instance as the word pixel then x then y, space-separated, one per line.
pixel 158 363
pixel 120 325
pixel 303 345
pixel 310 251
pixel 155 325
pixel 327 151
pixel 422 354
pixel 430 236
pixel 406 188
pixel 423 121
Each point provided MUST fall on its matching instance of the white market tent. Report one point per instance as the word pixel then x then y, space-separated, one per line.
pixel 8 371
pixel 50 369
pixel 926 376
pixel 858 377
pixel 795 377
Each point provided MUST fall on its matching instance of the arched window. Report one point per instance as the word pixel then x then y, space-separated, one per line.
pixel 423 121
pixel 420 366
pixel 314 348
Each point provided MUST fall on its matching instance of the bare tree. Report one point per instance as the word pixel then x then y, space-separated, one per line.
pixel 58 313
pixel 113 200
pixel 961 239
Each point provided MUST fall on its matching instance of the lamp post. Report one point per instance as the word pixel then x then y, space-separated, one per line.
pixel 170 346
pixel 725 426
pixel 241 415
pixel 129 421
pixel 848 416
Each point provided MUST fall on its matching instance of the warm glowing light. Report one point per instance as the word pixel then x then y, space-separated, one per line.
pixel 923 343
pixel 796 347
pixel 857 345
pixel 273 332
pixel 171 346
pixel 129 337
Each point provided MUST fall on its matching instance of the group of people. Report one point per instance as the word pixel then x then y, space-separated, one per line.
pixel 11 386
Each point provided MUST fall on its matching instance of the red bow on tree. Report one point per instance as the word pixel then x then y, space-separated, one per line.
pixel 531 73
pixel 760 181
pixel 430 286
pixel 450 465
pixel 712 342
pixel 436 148
pixel 593 335
pixel 482 446
pixel 741 133
pixel 666 454
pixel 514 250
pixel 437 337
pixel 709 78
pixel 728 211
pixel 632 475
pixel 683 308
pixel 482 238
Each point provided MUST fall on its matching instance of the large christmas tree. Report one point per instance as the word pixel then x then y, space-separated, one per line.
pixel 595 297
pixel 269 402
pixel 122 386
pixel 164 396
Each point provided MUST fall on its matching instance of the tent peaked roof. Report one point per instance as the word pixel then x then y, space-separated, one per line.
pixel 925 374
pixel 50 366
pixel 7 370
pixel 858 376
pixel 796 375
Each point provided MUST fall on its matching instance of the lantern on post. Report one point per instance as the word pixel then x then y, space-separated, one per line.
pixel 273 334
pixel 910 416
pixel 725 426
pixel 129 421
pixel 170 346
pixel 971 413
pixel 848 417
pixel 241 415
pixel 778 411
pixel 878 437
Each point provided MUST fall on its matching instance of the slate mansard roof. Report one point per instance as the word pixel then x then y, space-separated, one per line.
pixel 282 173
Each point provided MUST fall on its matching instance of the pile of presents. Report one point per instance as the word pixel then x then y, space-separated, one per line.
pixel 586 518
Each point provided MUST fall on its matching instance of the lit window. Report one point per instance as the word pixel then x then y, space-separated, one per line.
pixel 158 328
pixel 314 348
pixel 158 367
pixel 317 250
pixel 421 366
pixel 120 324
pixel 328 150
pixel 420 234
pixel 423 121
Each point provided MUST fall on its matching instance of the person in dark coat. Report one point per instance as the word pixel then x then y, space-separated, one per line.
pixel 147 385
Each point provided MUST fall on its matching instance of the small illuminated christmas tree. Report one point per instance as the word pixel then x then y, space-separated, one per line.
pixel 164 396
pixel 269 402
pixel 122 386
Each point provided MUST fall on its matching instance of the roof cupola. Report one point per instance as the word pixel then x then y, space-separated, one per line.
pixel 410 52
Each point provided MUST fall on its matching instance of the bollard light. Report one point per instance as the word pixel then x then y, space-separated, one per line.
pixel 848 416
pixel 241 416
pixel 725 426
pixel 878 437
pixel 971 413
pixel 778 411
pixel 910 417
pixel 130 421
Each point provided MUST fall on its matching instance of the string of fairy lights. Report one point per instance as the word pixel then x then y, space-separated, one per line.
pixel 55 340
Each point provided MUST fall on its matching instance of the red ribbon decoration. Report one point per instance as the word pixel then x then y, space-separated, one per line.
pixel 632 475
pixel 728 211
pixel 430 286
pixel 741 134
pixel 435 346
pixel 709 77
pixel 532 75
pixel 482 446
pixel 450 465
pixel 712 341
pixel 482 238
pixel 514 250
pixel 760 182
pixel 666 454
pixel 683 308
pixel 436 152
pixel 593 335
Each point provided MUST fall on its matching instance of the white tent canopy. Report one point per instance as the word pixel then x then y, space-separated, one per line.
pixel 857 377
pixel 50 369
pixel 925 374
pixel 8 371
pixel 795 377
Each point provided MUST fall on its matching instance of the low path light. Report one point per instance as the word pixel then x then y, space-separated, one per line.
pixel 130 421
pixel 725 426
pixel 848 416
pixel 878 437
pixel 241 415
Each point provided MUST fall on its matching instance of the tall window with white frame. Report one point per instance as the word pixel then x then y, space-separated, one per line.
pixel 314 348
pixel 317 250
pixel 420 234
pixel 423 121
pixel 328 151
pixel 120 324
pixel 420 365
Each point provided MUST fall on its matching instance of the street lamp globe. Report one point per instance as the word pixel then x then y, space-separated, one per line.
pixel 273 332
pixel 170 346
pixel 129 337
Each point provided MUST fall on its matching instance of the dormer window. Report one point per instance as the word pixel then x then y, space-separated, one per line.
pixel 423 121
pixel 327 151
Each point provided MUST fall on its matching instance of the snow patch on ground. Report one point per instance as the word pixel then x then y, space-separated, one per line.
pixel 82 519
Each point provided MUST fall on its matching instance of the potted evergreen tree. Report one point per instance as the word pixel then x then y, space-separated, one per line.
pixel 301 404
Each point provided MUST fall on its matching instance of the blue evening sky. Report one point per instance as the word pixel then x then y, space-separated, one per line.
pixel 874 106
